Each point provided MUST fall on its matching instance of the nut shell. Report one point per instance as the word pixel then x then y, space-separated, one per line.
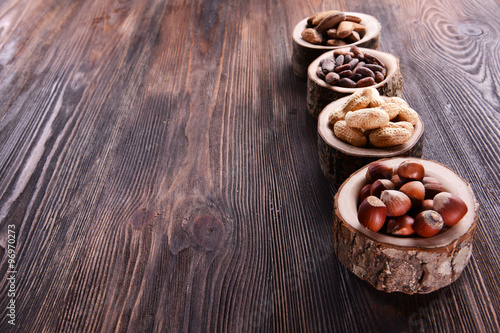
pixel 367 118
pixel 312 36
pixel 381 185
pixel 397 202
pixel 427 204
pixel 372 213
pixel 415 190
pixel 451 207
pixel 432 187
pixel 396 181
pixel 400 225
pixel 388 136
pixel 378 170
pixel 365 192
pixel 411 170
pixel 428 223
pixel 330 21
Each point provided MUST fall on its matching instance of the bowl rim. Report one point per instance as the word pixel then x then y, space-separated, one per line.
pixel 453 183
pixel 370 33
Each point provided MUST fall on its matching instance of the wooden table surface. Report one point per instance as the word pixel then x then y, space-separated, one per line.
pixel 159 169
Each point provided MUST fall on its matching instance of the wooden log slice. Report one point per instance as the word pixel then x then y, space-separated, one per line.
pixel 320 94
pixel 397 264
pixel 338 159
pixel 304 53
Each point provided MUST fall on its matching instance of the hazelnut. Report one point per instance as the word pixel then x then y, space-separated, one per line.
pixel 428 223
pixel 410 170
pixel 400 225
pixel 432 187
pixel 378 170
pixel 396 181
pixel 450 207
pixel 415 190
pixel 365 192
pixel 427 204
pixel 381 185
pixel 372 213
pixel 397 202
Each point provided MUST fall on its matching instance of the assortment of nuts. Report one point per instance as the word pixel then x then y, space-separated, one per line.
pixel 351 69
pixel 400 201
pixel 333 28
pixel 405 202
pixel 366 118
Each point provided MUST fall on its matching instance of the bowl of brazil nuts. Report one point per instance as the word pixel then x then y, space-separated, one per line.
pixel 329 30
pixel 342 72
pixel 405 224
pixel 363 127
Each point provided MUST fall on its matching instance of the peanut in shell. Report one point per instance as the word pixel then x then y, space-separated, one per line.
pixel 348 134
pixel 369 118
pixel 388 136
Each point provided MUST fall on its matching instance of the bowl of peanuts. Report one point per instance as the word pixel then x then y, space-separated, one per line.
pixel 363 127
pixel 329 30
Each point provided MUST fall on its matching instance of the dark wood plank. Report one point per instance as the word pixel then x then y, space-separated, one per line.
pixel 161 170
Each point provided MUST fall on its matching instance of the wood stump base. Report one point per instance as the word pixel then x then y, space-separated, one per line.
pixel 397 264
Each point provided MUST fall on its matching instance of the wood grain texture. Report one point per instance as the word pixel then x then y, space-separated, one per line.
pixel 160 167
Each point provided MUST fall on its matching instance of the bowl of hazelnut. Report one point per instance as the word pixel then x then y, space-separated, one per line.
pixel 342 72
pixel 329 30
pixel 405 224
pixel 364 127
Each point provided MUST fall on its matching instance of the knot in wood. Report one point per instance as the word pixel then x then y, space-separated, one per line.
pixel 471 30
pixel 142 218
pixel 208 231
